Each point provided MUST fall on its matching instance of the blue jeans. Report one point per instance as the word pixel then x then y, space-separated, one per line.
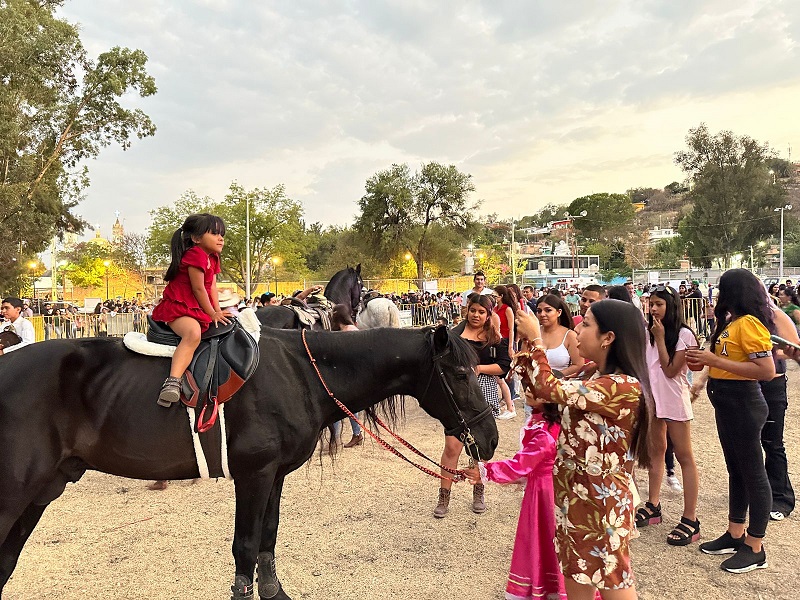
pixel 337 427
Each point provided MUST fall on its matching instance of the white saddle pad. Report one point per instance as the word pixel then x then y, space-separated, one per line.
pixel 137 342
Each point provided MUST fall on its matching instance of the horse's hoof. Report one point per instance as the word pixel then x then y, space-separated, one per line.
pixel 268 585
pixel 242 588
pixel 157 485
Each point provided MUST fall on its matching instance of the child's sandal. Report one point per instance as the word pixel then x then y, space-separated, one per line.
pixel 648 515
pixel 685 532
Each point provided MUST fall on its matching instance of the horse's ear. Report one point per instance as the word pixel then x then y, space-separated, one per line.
pixel 358 269
pixel 440 339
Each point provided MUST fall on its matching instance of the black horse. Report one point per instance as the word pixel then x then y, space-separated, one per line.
pixel 73 405
pixel 345 287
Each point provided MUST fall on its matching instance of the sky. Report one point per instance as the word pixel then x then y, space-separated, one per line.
pixel 541 102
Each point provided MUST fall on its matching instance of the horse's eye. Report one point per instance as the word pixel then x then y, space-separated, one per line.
pixel 461 376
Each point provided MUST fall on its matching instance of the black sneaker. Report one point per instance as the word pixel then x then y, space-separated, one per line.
pixel 745 560
pixel 724 544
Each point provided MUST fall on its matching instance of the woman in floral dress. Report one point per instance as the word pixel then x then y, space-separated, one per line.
pixel 604 422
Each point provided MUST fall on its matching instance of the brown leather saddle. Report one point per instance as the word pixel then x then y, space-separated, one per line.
pixel 226 357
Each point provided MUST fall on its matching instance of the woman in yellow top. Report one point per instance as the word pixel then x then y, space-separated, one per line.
pixel 741 357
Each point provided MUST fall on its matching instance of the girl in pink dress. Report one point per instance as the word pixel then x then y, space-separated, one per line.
pixel 190 303
pixel 534 569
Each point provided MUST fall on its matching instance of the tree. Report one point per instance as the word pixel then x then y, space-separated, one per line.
pixel 404 212
pixel 676 188
pixel 57 109
pixel 641 194
pixel 668 253
pixel 89 263
pixel 607 216
pixel 275 230
pixel 733 194
pixel 130 254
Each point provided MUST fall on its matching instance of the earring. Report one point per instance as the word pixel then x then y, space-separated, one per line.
pixel 604 346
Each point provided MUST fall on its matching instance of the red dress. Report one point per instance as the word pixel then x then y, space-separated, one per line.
pixel 179 300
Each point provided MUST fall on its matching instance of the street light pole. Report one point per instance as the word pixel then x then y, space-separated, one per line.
pixel 572 218
pixel 107 263
pixel 275 260
pixel 247 245
pixel 781 209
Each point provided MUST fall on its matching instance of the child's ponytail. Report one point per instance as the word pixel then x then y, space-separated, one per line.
pixel 177 247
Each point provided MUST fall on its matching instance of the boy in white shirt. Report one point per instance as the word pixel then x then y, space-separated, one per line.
pixel 11 309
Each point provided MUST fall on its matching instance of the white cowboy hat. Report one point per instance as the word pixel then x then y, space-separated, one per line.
pixel 228 298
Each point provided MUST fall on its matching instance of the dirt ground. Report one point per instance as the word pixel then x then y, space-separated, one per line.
pixel 362 528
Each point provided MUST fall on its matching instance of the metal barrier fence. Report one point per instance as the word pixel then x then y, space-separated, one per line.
pixel 697 314
pixel 86 325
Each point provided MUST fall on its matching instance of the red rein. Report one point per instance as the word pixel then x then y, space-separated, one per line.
pixel 457 474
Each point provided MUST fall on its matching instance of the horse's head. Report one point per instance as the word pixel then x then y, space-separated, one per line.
pixel 346 287
pixel 451 394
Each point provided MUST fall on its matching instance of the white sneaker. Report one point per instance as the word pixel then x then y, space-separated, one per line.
pixel 674 484
pixel 777 515
pixel 506 415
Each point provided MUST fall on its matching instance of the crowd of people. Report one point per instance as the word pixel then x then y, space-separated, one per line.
pixel 605 377
pixel 613 383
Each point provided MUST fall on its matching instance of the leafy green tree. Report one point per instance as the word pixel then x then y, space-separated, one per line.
pixel 733 195
pixel 406 212
pixel 668 253
pixel 607 216
pixel 641 194
pixel 676 188
pixel 88 264
pixel 57 109
pixel 275 231
pixel 130 254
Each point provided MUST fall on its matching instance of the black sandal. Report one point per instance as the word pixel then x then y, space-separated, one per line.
pixel 648 515
pixel 684 533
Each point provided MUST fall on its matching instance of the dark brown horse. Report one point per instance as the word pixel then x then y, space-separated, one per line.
pixel 345 287
pixel 9 338
pixel 72 405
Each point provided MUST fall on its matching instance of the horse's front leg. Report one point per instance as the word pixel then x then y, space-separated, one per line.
pixel 269 587
pixel 252 495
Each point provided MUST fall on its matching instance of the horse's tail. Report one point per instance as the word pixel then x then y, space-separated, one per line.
pixel 394 315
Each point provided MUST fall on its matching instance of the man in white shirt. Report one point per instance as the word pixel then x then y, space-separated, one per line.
pixel 480 288
pixel 11 309
pixel 634 297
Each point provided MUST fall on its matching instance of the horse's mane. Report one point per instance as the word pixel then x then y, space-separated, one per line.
pixel 392 410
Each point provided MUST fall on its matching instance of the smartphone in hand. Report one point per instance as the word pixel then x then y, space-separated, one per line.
pixel 781 343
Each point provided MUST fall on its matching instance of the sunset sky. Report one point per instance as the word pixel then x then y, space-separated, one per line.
pixel 540 102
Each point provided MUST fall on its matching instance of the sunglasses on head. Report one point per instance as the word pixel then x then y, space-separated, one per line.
pixel 664 288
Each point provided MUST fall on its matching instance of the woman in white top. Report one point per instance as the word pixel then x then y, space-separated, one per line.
pixel 558 338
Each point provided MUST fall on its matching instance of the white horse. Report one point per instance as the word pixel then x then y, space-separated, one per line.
pixel 379 312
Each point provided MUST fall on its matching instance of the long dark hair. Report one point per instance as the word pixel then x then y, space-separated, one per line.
pixel 507 297
pixel 626 355
pixel 619 292
pixel 489 332
pixel 557 302
pixel 791 293
pixel 740 293
pixel 193 227
pixel 673 320
pixel 340 316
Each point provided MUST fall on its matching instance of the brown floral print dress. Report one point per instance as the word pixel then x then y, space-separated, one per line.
pixel 592 474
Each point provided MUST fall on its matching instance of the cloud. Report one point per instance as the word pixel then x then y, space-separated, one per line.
pixel 538 101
